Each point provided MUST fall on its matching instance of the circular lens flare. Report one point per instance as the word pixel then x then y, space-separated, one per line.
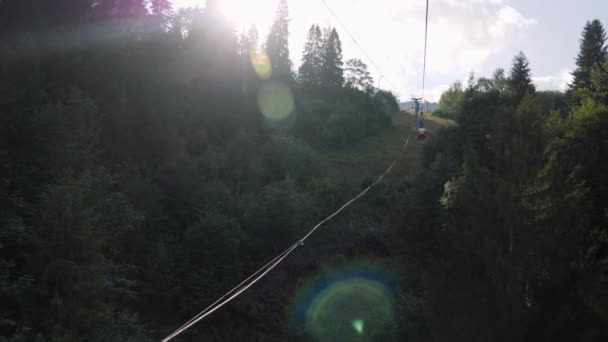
pixel 350 304
pixel 275 100
pixel 358 325
pixel 346 305
pixel 261 63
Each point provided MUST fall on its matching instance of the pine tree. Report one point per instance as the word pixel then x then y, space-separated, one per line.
pixel 277 44
pixel 592 52
pixel 599 81
pixel 520 80
pixel 333 74
pixel 312 60
pixel 357 75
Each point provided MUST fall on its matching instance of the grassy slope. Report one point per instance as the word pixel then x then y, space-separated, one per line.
pixel 370 157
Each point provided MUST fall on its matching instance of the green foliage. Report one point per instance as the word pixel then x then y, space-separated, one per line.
pixel 519 228
pixel 550 101
pixel 83 228
pixel 357 75
pixel 121 326
pixel 138 180
pixel 592 52
pixel 451 100
pixel 597 89
pixel 499 82
pixel 322 64
pixel 599 81
pixel 575 166
pixel 345 124
pixel 312 58
pixel 387 103
pixel 277 44
pixel 353 116
pixel 520 79
pixel 132 197
pixel 298 161
pixel 332 73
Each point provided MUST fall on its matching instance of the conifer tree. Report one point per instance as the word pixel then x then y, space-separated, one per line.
pixel 599 81
pixel 277 44
pixel 520 80
pixel 592 52
pixel 312 59
pixel 333 73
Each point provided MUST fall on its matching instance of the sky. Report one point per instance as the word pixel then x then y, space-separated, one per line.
pixel 464 36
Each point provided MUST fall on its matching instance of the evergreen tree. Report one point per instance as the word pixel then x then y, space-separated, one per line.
pixel 592 52
pixel 520 80
pixel 312 57
pixel 577 187
pixel 119 193
pixel 485 84
pixel 332 71
pixel 277 44
pixel 599 81
pixel 357 75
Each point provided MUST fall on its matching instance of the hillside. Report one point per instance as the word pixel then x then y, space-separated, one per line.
pixel 370 156
pixel 153 158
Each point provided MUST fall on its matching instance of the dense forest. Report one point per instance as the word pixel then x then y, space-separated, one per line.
pixel 152 158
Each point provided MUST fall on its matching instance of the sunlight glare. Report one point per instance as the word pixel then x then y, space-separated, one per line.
pixel 261 63
pixel 275 100
pixel 245 13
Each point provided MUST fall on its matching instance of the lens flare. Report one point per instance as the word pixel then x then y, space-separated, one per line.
pixel 261 63
pixel 358 325
pixel 275 100
pixel 350 304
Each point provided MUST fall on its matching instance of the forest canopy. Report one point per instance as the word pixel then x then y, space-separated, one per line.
pixel 153 157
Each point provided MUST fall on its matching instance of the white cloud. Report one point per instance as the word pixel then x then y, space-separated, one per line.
pixel 464 37
pixel 463 34
pixel 508 19
pixel 557 81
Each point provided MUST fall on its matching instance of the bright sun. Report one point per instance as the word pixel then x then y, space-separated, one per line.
pixel 245 13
